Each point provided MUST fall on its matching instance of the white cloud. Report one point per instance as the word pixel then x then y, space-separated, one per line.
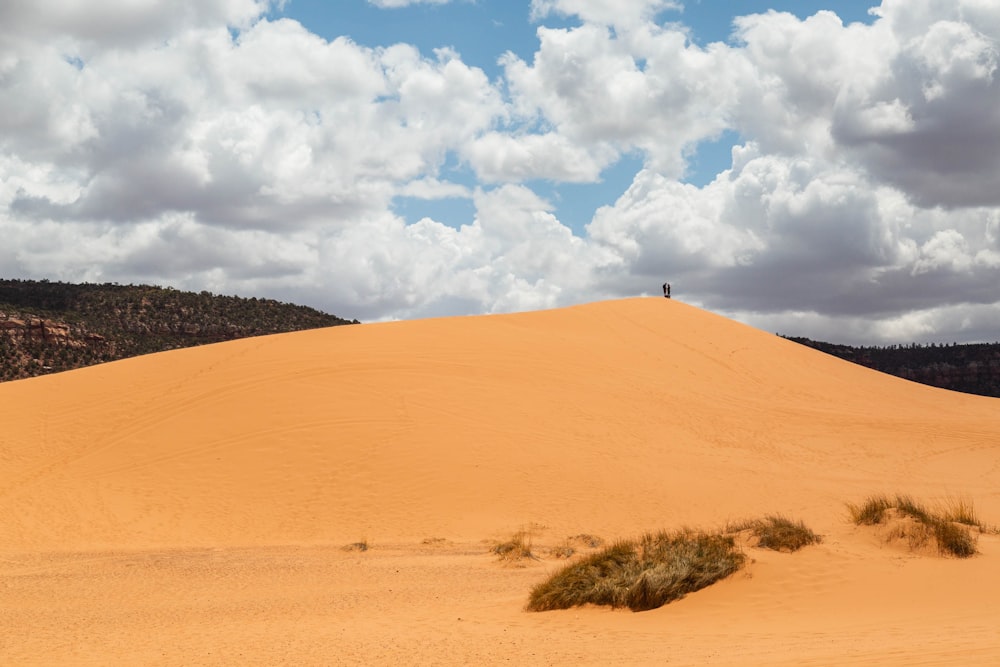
pixel 239 136
pixel 432 188
pixel 121 22
pixel 946 250
pixel 646 90
pixel 514 256
pixel 604 12
pixel 498 157
pixel 928 123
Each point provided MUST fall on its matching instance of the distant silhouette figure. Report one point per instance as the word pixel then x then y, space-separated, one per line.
pixel 666 290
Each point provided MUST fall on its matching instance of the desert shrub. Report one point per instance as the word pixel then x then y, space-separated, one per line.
pixel 782 534
pixel 870 512
pixel 950 527
pixel 518 547
pixel 776 532
pixel 641 574
pixel 962 511
pixel 955 539
pixel 907 506
pixel 356 546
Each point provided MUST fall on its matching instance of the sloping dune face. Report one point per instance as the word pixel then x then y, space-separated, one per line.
pixel 191 507
pixel 610 418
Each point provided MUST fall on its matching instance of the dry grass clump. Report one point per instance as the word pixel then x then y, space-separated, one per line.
pixel 907 506
pixel 962 511
pixel 782 534
pixel 356 546
pixel 562 551
pixel 641 574
pixel 586 540
pixel 572 544
pixel 777 532
pixel 870 512
pixel 434 542
pixel 950 527
pixel 955 539
pixel 582 541
pixel 517 548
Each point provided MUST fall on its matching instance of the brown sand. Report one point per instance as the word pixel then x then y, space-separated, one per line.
pixel 191 507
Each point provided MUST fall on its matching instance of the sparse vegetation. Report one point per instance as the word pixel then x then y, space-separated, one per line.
pixel 782 534
pixel 907 506
pixel 961 511
pixel 574 543
pixel 562 551
pixel 586 540
pixel 641 574
pixel 950 527
pixel 517 548
pixel 871 511
pixel 954 538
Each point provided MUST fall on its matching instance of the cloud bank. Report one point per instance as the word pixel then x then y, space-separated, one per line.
pixel 209 145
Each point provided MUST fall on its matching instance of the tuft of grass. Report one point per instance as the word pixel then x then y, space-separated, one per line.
pixel 356 546
pixel 782 534
pixel 871 511
pixel 950 527
pixel 776 532
pixel 907 506
pixel 572 544
pixel 915 533
pixel 962 511
pixel 517 548
pixel 955 539
pixel 562 551
pixel 641 574
pixel 586 540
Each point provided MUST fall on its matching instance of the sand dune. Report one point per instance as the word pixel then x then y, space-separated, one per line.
pixel 189 507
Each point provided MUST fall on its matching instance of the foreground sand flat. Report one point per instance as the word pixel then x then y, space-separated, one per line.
pixel 190 507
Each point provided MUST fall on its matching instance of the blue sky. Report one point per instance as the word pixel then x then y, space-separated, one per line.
pixel 831 173
pixel 482 30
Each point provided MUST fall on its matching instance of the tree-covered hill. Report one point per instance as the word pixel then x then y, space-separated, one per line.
pixel 970 368
pixel 46 327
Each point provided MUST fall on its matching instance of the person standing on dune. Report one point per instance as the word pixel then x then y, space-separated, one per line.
pixel 666 290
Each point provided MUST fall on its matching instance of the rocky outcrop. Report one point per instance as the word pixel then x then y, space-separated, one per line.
pixel 48 331
pixel 38 329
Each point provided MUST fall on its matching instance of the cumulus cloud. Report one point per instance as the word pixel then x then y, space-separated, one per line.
pixel 208 145
pixel 514 255
pixel 604 12
pixel 647 89
pixel 122 22
pixel 224 130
